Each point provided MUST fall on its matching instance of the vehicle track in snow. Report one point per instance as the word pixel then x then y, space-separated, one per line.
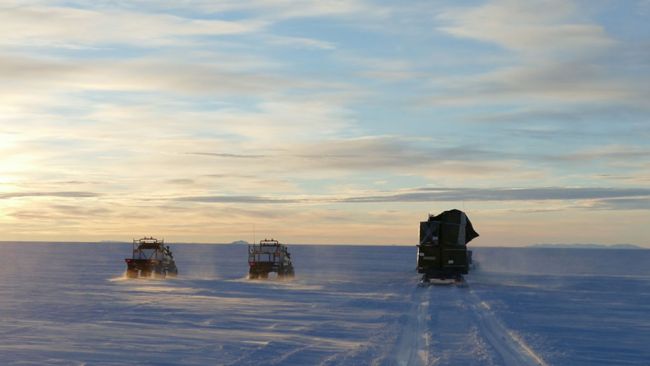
pixel 412 348
pixel 510 347
pixel 448 325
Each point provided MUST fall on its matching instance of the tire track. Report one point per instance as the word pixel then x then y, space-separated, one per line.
pixel 511 348
pixel 412 348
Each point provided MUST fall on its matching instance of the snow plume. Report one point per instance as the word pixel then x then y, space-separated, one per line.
pixel 556 261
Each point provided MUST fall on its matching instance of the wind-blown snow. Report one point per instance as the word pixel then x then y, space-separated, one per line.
pixel 67 304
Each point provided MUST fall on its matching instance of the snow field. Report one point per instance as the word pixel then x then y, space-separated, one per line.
pixel 67 304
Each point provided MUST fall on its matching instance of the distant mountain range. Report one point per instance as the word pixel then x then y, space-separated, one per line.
pixel 588 246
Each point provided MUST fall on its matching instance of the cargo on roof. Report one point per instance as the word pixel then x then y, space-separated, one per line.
pixel 442 251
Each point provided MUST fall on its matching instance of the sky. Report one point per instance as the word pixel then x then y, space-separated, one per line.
pixel 340 122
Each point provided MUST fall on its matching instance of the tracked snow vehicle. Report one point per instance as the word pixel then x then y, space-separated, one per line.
pixel 269 256
pixel 150 258
pixel 443 257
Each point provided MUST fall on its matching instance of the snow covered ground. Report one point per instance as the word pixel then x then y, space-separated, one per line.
pixel 68 304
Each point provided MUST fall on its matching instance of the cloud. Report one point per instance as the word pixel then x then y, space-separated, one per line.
pixel 369 154
pixel 385 152
pixel 149 24
pixel 275 121
pixel 235 107
pixel 383 68
pixel 237 199
pixel 181 182
pixel 434 159
pixel 71 194
pixel 601 195
pixel 576 116
pixel 299 42
pixel 555 55
pixel 226 155
pixel 642 203
pixel 186 77
pixel 615 153
pixel 289 9
pixel 236 176
pixel 356 157
pixel 40 25
pixel 502 194
pixel 532 27
pixel 539 83
pixel 22 74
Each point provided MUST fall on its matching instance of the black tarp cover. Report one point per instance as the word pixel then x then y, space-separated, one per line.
pixel 450 228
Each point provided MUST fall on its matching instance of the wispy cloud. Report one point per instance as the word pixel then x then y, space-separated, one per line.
pixel 299 42
pixel 606 153
pixel 182 116
pixel 181 181
pixel 227 155
pixel 288 9
pixel 51 26
pixel 533 28
pixel 386 152
pixel 581 116
pixel 63 194
pixel 237 199
pixel 504 194
pixel 603 195
pixel 362 155
pixel 641 204
pixel 555 56
pixel 143 75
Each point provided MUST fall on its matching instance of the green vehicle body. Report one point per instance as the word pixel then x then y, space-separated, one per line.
pixel 442 251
